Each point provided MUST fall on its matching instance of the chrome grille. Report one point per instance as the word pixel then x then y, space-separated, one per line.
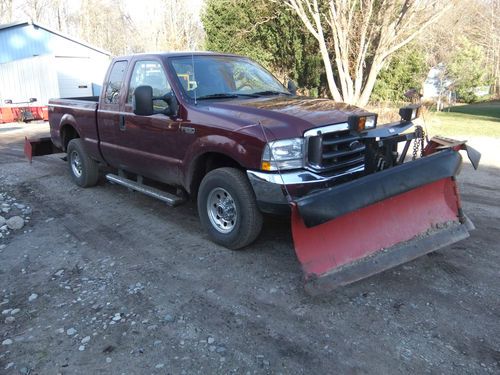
pixel 334 151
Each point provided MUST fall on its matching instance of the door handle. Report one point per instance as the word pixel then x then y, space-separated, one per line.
pixel 121 122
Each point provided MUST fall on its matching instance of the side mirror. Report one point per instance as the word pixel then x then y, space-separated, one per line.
pixel 32 100
pixel 8 101
pixel 173 104
pixel 143 101
pixel 292 87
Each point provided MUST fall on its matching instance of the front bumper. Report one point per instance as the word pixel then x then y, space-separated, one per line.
pixel 271 187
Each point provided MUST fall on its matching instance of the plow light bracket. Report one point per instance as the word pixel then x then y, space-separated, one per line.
pixel 363 122
pixel 410 112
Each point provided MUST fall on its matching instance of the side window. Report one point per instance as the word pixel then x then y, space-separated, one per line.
pixel 115 81
pixel 149 73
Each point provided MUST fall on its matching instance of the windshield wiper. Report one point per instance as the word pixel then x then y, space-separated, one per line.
pixel 270 92
pixel 227 95
pixel 217 96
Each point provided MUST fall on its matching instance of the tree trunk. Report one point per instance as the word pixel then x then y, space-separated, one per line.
pixel 370 83
pixel 329 72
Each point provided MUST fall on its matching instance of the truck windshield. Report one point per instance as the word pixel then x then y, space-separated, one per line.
pixel 220 77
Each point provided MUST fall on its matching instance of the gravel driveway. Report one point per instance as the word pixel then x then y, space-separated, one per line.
pixel 105 281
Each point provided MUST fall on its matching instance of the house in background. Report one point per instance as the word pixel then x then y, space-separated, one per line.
pixel 437 84
pixel 439 88
pixel 38 62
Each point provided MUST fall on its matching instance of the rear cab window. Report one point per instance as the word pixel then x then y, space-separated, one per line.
pixel 115 82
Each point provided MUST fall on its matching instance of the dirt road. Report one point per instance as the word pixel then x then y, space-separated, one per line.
pixel 105 281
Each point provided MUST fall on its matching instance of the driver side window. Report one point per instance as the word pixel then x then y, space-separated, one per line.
pixel 149 73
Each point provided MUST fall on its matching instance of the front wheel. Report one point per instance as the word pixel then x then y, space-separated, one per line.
pixel 227 208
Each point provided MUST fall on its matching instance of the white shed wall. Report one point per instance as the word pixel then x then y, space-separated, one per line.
pixel 76 75
pixel 33 77
pixel 37 62
pixel 45 77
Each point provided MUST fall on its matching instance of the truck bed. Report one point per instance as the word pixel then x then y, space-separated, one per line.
pixel 81 113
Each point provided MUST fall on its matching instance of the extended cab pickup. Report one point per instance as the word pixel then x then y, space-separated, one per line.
pixel 219 128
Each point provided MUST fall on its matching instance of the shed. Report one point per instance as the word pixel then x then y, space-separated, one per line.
pixel 38 62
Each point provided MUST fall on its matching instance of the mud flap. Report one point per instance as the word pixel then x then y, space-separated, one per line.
pixel 345 234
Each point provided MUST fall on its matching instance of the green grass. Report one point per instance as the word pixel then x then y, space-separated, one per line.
pixel 480 119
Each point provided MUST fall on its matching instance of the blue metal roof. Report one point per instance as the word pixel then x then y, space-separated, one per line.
pixel 26 39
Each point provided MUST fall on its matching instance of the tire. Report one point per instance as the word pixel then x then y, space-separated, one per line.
pixel 228 209
pixel 83 170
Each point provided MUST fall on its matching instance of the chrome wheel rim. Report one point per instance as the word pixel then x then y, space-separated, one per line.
pixel 76 164
pixel 222 210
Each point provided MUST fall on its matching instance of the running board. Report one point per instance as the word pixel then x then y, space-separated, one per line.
pixel 170 199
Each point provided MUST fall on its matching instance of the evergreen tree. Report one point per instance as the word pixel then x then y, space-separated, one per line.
pixel 269 34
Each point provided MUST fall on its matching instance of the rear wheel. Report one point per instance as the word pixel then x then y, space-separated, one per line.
pixel 227 208
pixel 83 170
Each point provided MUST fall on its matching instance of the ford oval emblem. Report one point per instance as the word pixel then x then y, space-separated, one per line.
pixel 354 145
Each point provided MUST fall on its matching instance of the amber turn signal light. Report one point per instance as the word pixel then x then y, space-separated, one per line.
pixel 266 166
pixel 361 123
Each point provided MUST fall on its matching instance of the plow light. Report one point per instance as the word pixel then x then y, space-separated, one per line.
pixel 283 154
pixel 360 123
pixel 410 113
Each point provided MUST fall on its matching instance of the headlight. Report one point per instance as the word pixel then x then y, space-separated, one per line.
pixel 283 154
pixel 410 113
pixel 361 123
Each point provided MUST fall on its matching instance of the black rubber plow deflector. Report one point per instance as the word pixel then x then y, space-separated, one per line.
pixel 318 208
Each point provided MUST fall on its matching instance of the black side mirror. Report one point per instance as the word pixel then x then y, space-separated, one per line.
pixel 173 104
pixel 8 101
pixel 292 87
pixel 32 100
pixel 143 101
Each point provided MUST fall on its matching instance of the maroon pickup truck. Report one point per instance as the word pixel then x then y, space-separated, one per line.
pixel 221 129
pixel 206 123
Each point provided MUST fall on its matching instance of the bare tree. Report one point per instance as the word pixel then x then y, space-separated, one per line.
pixel 485 31
pixel 36 10
pixel 6 11
pixel 361 35
pixel 106 24
pixel 181 26
pixel 481 27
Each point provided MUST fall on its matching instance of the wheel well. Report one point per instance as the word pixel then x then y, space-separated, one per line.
pixel 68 133
pixel 206 163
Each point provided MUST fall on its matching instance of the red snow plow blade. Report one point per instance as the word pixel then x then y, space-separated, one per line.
pixel 374 223
pixel 39 147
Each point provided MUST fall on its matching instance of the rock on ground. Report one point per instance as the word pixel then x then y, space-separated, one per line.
pixel 15 223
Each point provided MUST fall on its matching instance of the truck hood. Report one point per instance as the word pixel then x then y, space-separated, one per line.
pixel 284 116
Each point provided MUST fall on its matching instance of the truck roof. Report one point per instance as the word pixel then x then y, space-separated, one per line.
pixel 178 54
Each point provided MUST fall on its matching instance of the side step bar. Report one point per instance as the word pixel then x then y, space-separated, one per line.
pixel 170 199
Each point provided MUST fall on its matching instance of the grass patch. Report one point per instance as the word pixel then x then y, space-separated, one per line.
pixel 475 120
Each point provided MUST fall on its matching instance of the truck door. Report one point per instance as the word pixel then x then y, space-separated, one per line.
pixel 146 142
pixel 108 115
